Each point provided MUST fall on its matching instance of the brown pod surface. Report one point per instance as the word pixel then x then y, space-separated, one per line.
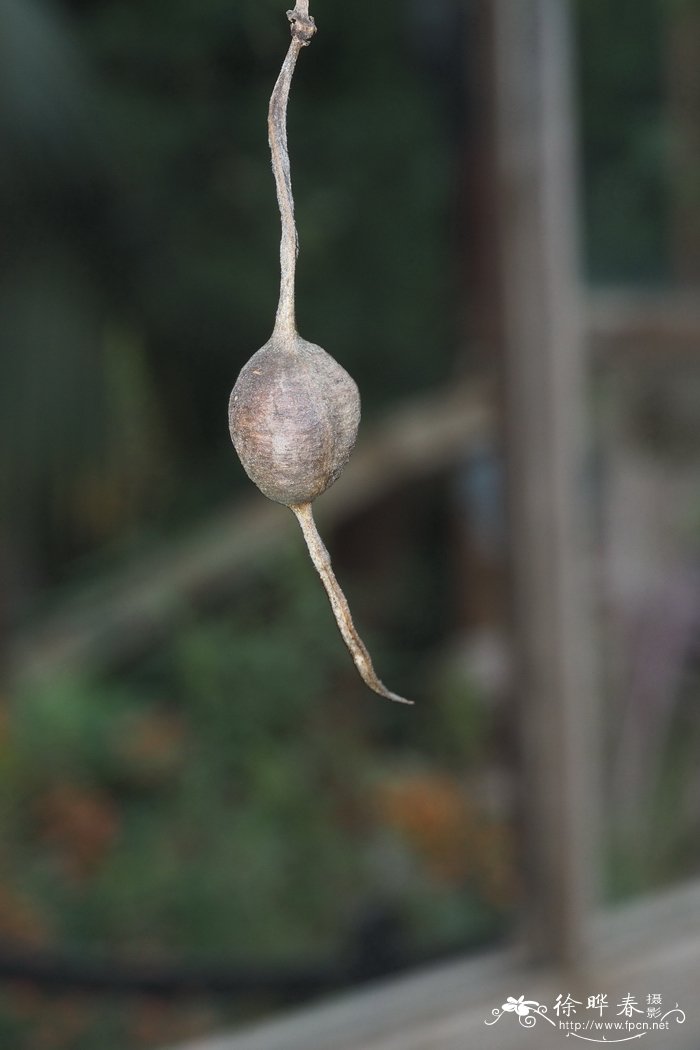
pixel 293 416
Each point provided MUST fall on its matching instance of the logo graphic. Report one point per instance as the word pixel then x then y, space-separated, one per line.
pixel 631 1021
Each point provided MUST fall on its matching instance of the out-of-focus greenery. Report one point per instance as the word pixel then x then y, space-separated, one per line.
pixel 140 231
pixel 624 139
pixel 234 798
pixel 144 232
pixel 231 795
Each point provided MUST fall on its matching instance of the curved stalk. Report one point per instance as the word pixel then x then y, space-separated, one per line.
pixel 341 610
pixel 303 29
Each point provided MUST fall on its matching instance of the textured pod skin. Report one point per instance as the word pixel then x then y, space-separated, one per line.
pixel 293 417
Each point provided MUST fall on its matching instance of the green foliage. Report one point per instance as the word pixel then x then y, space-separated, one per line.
pixel 219 767
pixel 236 795
pixel 142 203
pixel 624 133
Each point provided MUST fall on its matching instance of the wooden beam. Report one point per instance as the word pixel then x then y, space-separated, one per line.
pixel 125 613
pixel 659 325
pixel 539 339
pixel 648 946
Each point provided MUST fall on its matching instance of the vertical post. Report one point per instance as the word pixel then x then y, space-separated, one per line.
pixel 533 316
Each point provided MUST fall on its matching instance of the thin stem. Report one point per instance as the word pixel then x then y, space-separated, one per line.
pixel 341 610
pixel 303 29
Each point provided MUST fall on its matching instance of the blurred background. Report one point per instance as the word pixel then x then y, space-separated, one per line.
pixel 204 816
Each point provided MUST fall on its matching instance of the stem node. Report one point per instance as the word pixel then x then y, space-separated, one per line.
pixel 303 25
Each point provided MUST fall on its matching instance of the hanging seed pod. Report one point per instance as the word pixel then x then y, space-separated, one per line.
pixel 294 411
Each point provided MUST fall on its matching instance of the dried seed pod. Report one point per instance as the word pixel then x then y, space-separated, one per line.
pixel 294 411
pixel 293 416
